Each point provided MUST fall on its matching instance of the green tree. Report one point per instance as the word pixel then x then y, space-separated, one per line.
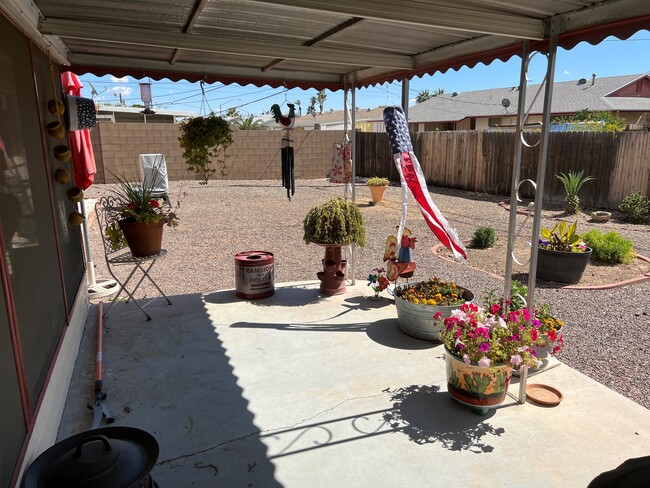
pixel 321 97
pixel 312 104
pixel 232 112
pixel 594 121
pixel 297 103
pixel 249 123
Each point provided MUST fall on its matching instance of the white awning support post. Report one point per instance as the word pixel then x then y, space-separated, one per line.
pixel 353 266
pixel 541 172
pixel 541 161
pixel 516 169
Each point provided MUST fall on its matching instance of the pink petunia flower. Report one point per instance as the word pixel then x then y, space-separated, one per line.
pixel 484 362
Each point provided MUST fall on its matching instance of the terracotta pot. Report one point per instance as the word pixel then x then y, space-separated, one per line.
pixel 332 278
pixel 55 107
pixel 62 153
pixel 61 176
pixel 377 193
pixel 143 239
pixel 75 194
pixel 56 129
pixel 475 386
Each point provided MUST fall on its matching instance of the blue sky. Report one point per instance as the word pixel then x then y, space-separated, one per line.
pixel 609 58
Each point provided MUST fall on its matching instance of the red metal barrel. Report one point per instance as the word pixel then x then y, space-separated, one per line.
pixel 254 274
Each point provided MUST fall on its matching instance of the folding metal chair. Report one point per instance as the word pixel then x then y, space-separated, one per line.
pixel 118 254
pixel 153 172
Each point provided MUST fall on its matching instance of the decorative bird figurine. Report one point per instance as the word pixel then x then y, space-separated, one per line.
pixel 285 121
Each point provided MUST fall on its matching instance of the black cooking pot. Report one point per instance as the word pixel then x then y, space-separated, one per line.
pixel 110 457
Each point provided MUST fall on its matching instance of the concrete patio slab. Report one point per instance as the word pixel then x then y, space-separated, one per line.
pixel 302 390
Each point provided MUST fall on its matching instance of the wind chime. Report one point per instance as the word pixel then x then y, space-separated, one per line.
pixel 287 122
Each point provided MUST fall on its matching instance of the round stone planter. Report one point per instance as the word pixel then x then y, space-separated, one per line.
pixel 475 386
pixel 560 266
pixel 417 320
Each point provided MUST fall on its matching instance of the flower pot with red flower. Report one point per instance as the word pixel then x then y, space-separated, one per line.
pixel 141 217
pixel 482 346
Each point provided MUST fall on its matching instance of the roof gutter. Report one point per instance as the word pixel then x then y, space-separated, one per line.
pixel 25 15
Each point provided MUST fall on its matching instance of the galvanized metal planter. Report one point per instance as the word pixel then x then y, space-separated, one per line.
pixel 417 320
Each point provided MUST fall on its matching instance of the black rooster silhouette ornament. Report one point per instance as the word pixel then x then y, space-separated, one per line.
pixel 286 121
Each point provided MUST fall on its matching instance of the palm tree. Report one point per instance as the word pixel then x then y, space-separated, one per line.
pixel 249 123
pixel 232 112
pixel 572 182
pixel 297 102
pixel 423 96
pixel 321 96
pixel 312 104
pixel 439 91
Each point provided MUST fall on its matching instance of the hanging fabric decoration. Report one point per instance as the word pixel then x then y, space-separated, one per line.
pixel 83 158
pixel 412 177
pixel 341 171
pixel 81 113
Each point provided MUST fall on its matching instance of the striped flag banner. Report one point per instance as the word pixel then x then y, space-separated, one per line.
pixel 411 174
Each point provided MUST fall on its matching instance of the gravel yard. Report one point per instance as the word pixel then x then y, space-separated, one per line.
pixel 608 331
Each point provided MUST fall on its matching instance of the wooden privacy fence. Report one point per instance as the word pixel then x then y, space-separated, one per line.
pixel 481 161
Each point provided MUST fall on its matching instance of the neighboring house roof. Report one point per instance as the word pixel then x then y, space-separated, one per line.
pixel 568 97
pixel 335 117
pixel 138 110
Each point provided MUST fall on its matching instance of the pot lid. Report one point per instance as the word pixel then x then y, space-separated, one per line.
pixel 110 457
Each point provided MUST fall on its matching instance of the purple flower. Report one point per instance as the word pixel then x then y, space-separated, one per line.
pixel 484 347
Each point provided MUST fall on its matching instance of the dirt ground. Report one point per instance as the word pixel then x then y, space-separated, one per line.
pixel 493 260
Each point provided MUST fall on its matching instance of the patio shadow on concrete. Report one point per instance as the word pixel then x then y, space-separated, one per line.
pixel 172 377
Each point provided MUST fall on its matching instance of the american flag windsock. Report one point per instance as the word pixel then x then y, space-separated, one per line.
pixel 411 173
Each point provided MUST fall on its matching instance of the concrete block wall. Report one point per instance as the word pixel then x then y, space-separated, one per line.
pixel 254 155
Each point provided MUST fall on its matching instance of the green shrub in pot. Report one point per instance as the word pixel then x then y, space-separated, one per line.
pixel 335 222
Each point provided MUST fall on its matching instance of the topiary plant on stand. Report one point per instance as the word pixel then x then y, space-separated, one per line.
pixel 204 138
pixel 334 224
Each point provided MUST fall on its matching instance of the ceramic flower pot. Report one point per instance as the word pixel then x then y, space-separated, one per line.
pixel 417 319
pixel 143 239
pixel 62 153
pixel 377 193
pixel 332 278
pixel 56 129
pixel 61 176
pixel 560 266
pixel 476 386
pixel 76 218
pixel 75 194
pixel 55 107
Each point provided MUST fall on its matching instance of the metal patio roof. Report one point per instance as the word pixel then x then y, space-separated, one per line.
pixel 308 43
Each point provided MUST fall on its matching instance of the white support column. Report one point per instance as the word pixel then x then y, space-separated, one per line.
pixel 516 169
pixel 353 267
pixel 541 162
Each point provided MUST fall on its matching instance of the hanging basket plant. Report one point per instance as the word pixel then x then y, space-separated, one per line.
pixel 204 139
